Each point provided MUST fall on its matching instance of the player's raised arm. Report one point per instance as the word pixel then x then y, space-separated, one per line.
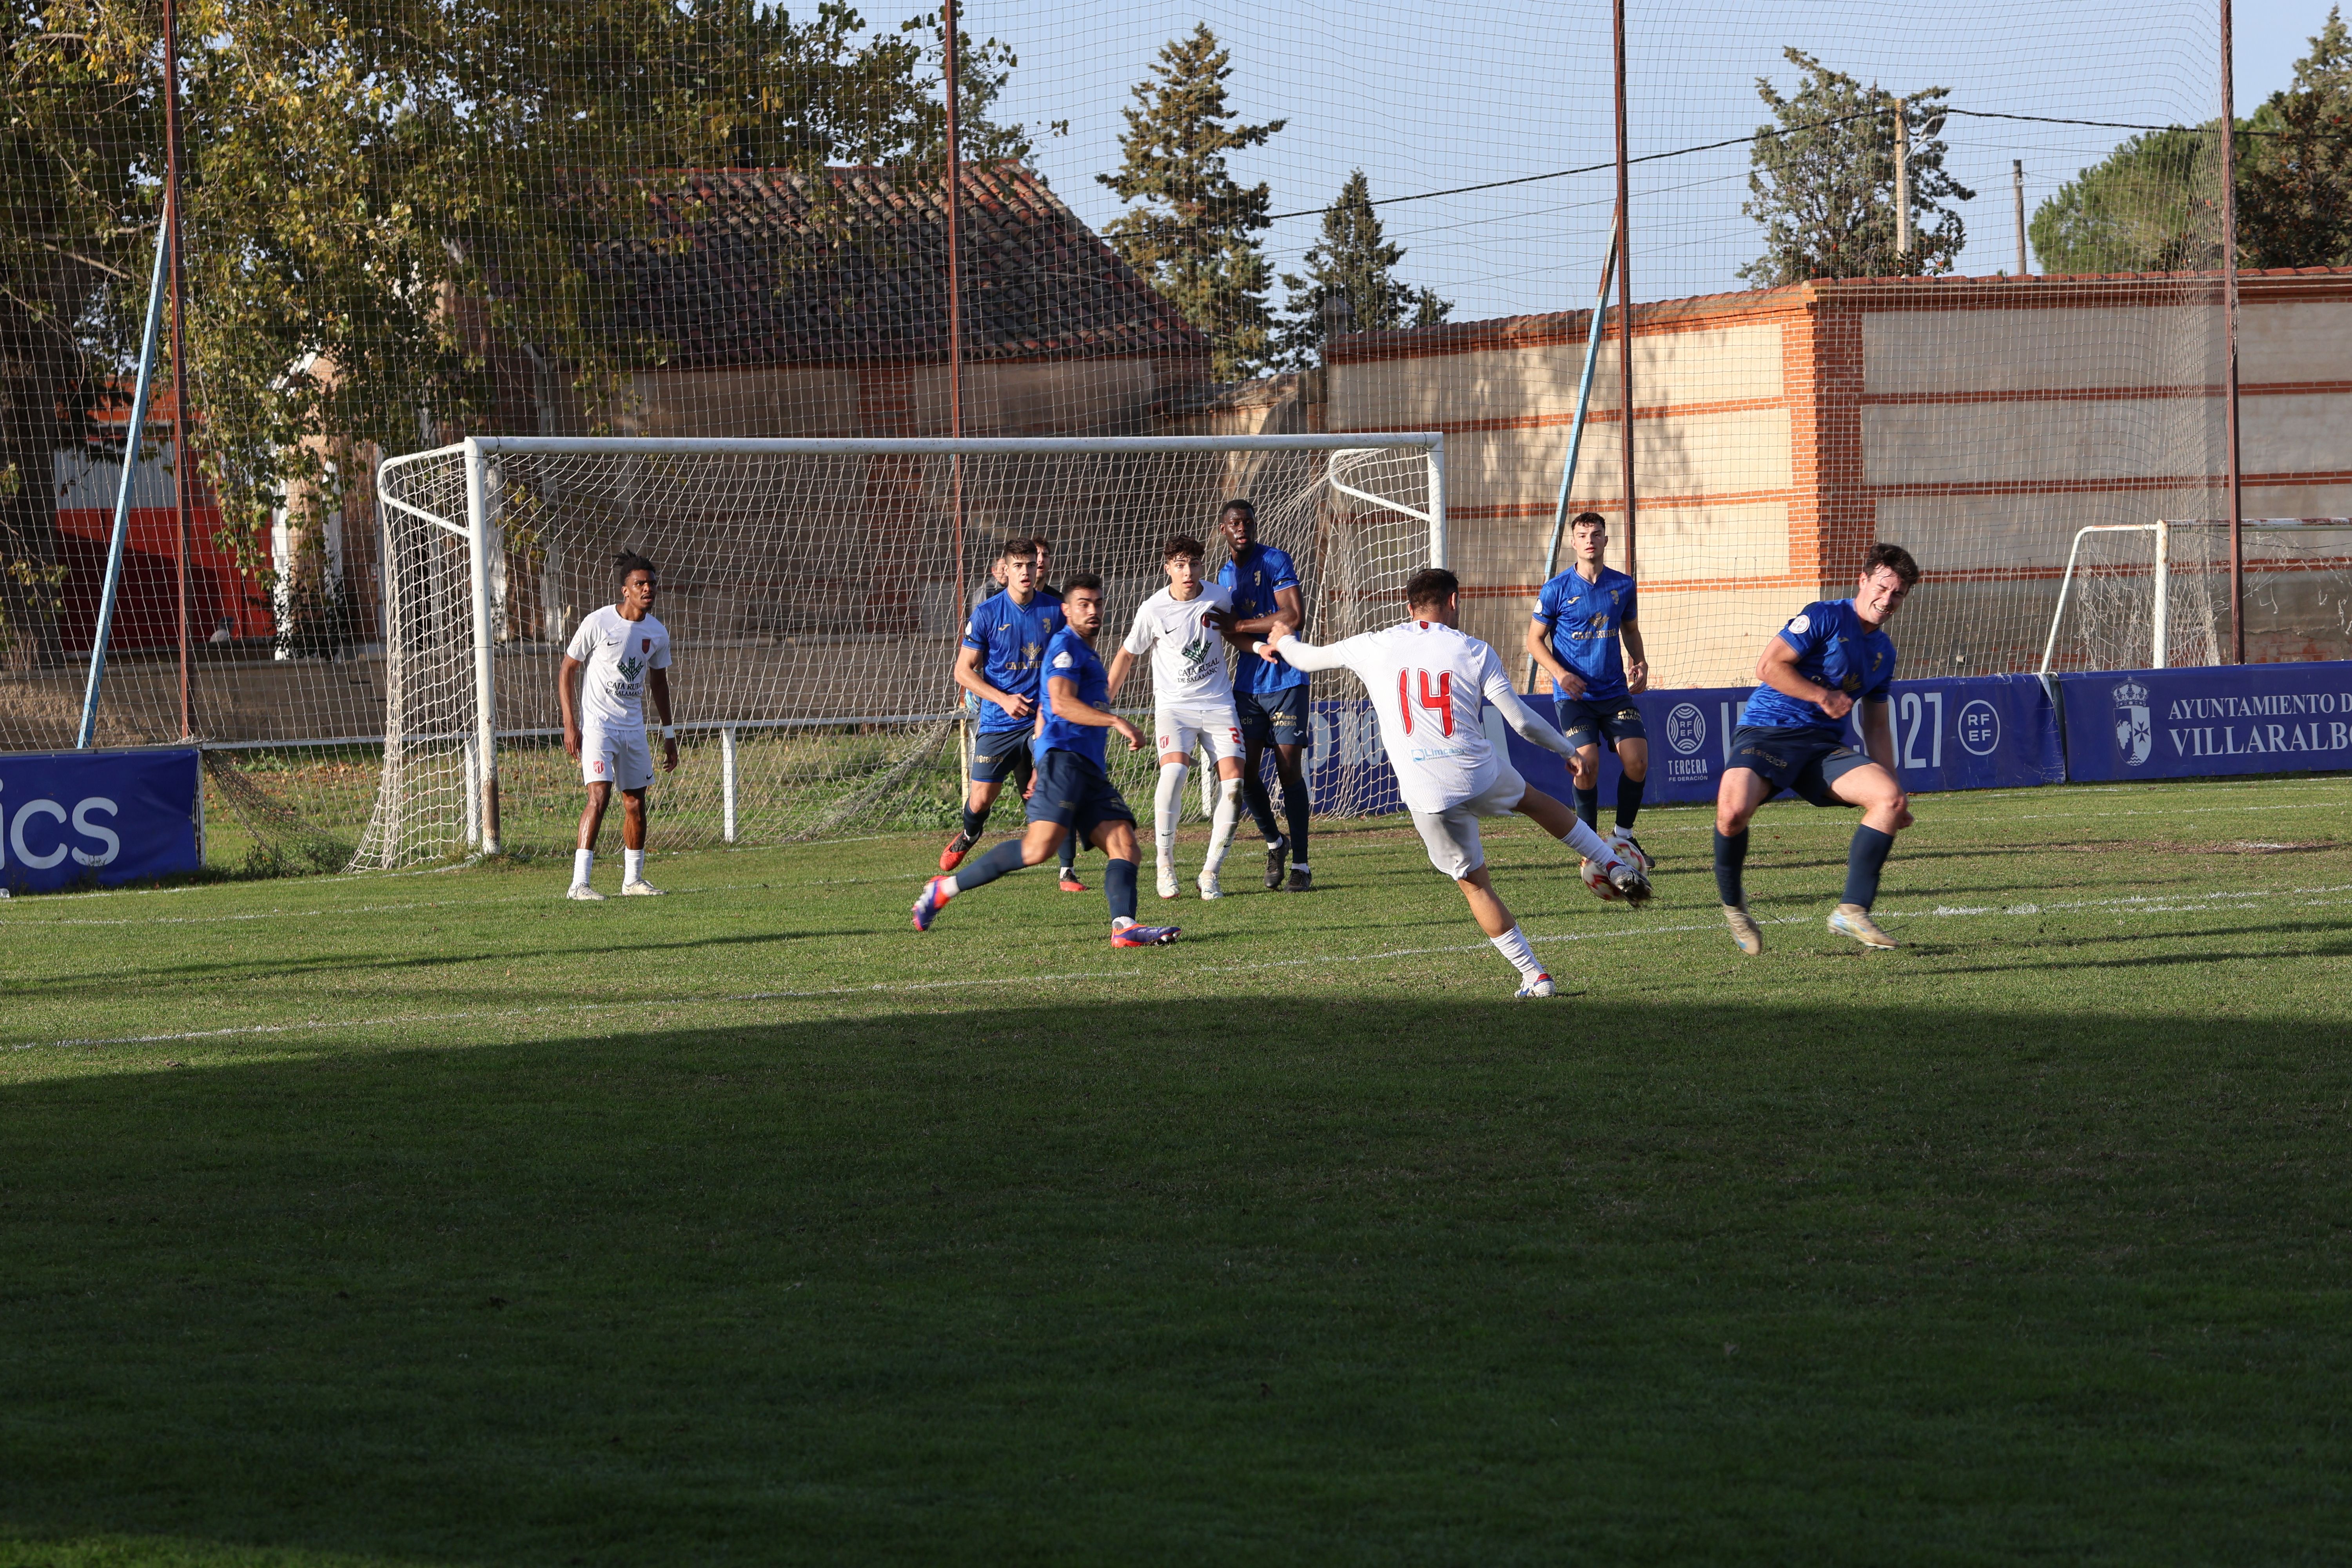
pixel 1298 653
pixel 1529 725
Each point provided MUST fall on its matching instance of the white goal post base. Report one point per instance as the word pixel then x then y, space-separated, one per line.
pixel 814 589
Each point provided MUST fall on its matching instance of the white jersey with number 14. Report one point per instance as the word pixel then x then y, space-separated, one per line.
pixel 1428 683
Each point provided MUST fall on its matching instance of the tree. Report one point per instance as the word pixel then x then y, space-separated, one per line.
pixel 2151 205
pixel 357 167
pixel 1352 263
pixel 1193 228
pixel 2294 176
pixel 1822 184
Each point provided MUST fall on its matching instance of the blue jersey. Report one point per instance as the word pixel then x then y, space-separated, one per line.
pixel 1587 625
pixel 1012 641
pixel 1833 649
pixel 1071 657
pixel 1254 579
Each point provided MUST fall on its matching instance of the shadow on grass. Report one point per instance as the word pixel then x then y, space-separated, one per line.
pixel 1449 1280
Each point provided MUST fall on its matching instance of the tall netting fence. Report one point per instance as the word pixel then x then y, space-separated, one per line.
pixel 1900 270
pixel 812 602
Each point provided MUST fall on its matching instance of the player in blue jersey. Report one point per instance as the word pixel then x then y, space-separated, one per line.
pixel 1833 654
pixel 1074 796
pixel 1003 648
pixel 1584 635
pixel 1269 699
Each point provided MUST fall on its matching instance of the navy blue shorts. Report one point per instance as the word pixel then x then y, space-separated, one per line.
pixel 1589 723
pixel 1072 792
pixel 1273 718
pixel 1802 760
pixel 1001 755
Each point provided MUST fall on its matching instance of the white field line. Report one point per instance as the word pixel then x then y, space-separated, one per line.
pixel 2205 904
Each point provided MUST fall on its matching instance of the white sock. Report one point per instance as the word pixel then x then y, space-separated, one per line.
pixel 1298 866
pixel 1167 805
pixel 633 865
pixel 583 862
pixel 1589 843
pixel 1222 824
pixel 1512 944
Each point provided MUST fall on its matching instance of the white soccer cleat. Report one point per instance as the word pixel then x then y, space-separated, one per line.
pixel 1854 920
pixel 1629 848
pixel 583 891
pixel 1168 887
pixel 1540 986
pixel 1744 928
pixel 1596 877
pixel 1210 887
pixel 640 888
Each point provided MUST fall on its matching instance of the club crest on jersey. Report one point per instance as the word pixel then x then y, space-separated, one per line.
pixel 1196 652
pixel 632 667
pixel 2135 736
pixel 645 646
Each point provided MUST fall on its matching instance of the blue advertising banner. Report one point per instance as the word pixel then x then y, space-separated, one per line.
pixel 1996 732
pixel 2194 723
pixel 99 818
pixel 1989 731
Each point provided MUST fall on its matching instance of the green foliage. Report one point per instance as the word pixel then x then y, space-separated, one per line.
pixel 375 186
pixel 2151 205
pixel 2295 180
pixel 1353 263
pixel 1822 183
pixel 1192 229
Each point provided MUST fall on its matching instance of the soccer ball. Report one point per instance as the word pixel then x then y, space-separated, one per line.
pixel 1596 877
pixel 1630 852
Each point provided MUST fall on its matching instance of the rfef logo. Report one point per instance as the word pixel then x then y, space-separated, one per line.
pixel 2135 736
pixel 1980 726
pixel 1686 728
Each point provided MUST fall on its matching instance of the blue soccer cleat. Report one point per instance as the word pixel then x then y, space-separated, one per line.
pixel 930 901
pixel 1145 936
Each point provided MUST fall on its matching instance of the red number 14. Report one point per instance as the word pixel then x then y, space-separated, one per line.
pixel 1441 704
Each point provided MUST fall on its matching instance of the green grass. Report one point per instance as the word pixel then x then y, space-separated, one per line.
pixel 430 1219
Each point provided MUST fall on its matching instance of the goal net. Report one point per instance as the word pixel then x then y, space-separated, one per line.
pixel 2156 594
pixel 814 591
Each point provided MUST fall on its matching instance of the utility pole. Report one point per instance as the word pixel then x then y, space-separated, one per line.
pixel 2230 349
pixel 2017 195
pixel 1903 183
pixel 184 460
pixel 955 302
pixel 1624 299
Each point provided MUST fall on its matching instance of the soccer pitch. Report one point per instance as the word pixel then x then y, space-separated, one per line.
pixel 431 1218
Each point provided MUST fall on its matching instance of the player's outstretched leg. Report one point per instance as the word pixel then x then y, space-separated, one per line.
pixel 1167 805
pixel 1618 877
pixel 1886 813
pixel 1736 800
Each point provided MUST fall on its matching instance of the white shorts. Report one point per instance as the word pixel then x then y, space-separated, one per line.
pixel 1452 834
pixel 623 758
pixel 1211 724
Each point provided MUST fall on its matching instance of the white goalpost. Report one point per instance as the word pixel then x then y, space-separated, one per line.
pixel 2156 595
pixel 815 590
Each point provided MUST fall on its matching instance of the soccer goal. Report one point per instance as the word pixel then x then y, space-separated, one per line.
pixel 814 591
pixel 2156 595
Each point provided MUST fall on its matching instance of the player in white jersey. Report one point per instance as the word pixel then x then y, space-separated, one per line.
pixel 1183 628
pixel 1428 683
pixel 625 653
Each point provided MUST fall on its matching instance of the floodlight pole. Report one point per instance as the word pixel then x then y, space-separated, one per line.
pixel 955 299
pixel 2230 348
pixel 1625 293
pixel 183 457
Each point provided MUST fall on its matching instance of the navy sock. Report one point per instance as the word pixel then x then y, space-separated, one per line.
pixel 1006 858
pixel 1864 861
pixel 1587 807
pixel 1119 889
pixel 1294 808
pixel 975 823
pixel 1629 802
pixel 1730 861
pixel 1261 808
pixel 1070 852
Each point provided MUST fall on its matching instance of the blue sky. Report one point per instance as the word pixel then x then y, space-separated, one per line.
pixel 1430 94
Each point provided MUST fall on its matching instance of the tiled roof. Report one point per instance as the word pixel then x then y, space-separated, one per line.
pixel 749 266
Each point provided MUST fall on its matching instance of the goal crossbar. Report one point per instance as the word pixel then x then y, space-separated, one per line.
pixel 478 451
